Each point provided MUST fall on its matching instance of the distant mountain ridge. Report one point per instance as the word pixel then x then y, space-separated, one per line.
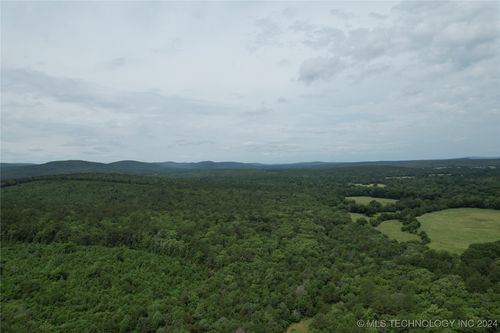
pixel 9 165
pixel 21 170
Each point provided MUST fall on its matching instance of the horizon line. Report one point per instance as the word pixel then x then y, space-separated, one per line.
pixel 282 163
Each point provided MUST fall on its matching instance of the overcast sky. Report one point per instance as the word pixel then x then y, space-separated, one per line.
pixel 252 82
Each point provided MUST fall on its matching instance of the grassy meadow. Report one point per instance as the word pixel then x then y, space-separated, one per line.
pixel 370 185
pixel 392 228
pixel 455 229
pixel 355 216
pixel 365 200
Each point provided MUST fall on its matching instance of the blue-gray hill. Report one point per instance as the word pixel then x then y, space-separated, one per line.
pixel 22 170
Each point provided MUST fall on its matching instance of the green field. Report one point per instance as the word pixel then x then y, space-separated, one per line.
pixel 401 177
pixel 355 216
pixel 363 200
pixel 455 229
pixel 392 228
pixel 370 185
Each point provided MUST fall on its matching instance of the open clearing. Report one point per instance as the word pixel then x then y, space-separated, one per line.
pixel 401 177
pixel 300 327
pixel 392 228
pixel 362 200
pixel 370 185
pixel 355 216
pixel 455 229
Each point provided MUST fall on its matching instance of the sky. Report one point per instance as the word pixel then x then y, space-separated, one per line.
pixel 270 82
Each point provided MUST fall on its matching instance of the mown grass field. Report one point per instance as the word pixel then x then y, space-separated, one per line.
pixel 455 229
pixel 392 228
pixel 363 200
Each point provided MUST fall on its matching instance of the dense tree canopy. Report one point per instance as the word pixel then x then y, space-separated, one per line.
pixel 237 251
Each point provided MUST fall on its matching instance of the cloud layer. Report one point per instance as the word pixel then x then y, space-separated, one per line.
pixel 260 82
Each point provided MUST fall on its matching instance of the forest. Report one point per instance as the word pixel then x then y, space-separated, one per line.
pixel 242 250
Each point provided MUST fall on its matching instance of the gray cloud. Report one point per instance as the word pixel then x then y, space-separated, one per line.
pixel 93 96
pixel 455 34
pixel 259 112
pixel 272 147
pixel 290 12
pixel 366 44
pixel 373 69
pixel 185 142
pixel 302 26
pixel 116 63
pixel 325 37
pixel 249 81
pixel 320 69
pixel 342 14
pixel 378 16
pixel 268 33
pixel 169 47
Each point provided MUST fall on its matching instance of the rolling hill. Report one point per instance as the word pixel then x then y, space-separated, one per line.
pixel 23 170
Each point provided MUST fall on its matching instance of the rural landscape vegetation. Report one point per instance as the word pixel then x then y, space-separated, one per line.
pixel 250 167
pixel 249 249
